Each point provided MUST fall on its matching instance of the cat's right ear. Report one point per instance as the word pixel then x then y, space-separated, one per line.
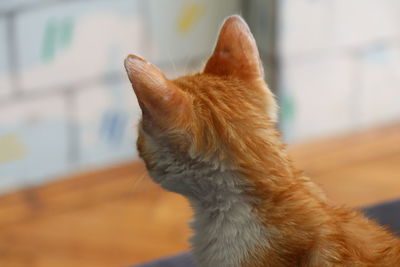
pixel 236 52
pixel 158 97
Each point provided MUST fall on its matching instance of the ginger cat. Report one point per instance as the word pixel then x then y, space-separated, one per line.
pixel 212 137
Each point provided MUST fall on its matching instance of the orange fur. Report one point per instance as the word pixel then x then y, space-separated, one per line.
pixel 227 114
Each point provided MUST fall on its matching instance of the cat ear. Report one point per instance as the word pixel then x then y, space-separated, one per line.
pixel 157 96
pixel 235 53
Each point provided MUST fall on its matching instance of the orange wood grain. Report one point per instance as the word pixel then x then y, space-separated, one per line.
pixel 117 216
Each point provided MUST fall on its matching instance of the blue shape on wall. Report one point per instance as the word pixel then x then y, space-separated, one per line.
pixel 113 125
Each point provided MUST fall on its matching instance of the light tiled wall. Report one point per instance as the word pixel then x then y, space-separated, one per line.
pixel 4 71
pixel 339 65
pixel 65 101
pixel 66 104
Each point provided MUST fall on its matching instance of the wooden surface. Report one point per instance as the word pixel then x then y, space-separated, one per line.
pixel 117 217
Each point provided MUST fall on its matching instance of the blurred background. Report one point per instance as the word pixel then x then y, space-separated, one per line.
pixel 72 191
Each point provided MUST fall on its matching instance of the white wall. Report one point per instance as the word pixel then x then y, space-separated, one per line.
pixel 340 65
pixel 65 101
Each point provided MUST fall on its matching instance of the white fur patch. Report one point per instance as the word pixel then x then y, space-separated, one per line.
pixel 227 231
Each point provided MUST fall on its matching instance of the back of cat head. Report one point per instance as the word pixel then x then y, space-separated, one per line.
pixel 211 115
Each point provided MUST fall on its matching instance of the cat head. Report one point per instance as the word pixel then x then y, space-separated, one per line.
pixel 212 116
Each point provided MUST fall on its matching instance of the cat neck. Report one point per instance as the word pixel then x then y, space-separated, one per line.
pixel 226 230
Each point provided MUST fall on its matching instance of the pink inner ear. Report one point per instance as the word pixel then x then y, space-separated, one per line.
pixel 236 52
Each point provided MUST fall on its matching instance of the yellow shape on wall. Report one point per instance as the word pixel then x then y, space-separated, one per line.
pixel 11 148
pixel 190 15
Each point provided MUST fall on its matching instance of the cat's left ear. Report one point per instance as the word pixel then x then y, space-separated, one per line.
pixel 236 52
pixel 161 101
